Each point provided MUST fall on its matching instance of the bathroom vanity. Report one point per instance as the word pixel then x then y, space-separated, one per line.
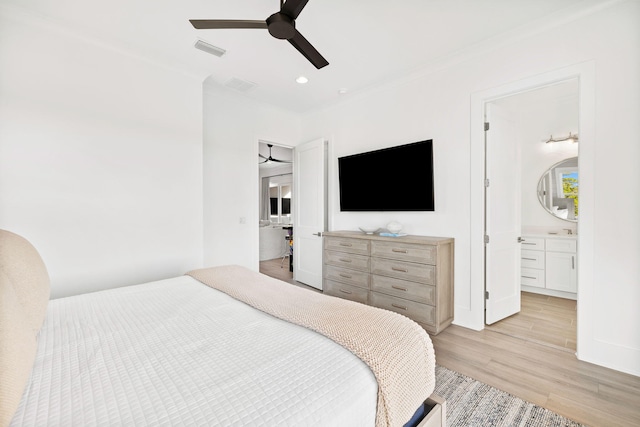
pixel 549 265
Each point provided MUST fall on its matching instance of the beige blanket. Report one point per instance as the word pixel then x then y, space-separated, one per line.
pixel 396 349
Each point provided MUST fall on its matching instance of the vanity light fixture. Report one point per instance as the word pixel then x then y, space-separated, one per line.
pixel 573 138
pixel 302 80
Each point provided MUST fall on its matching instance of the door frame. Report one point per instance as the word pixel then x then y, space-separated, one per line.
pixel 257 152
pixel 585 73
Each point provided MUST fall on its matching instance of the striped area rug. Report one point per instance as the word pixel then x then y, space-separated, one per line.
pixel 472 403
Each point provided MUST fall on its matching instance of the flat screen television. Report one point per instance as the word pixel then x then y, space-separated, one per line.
pixel 392 179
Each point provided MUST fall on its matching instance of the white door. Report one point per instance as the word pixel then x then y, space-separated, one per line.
pixel 310 216
pixel 503 219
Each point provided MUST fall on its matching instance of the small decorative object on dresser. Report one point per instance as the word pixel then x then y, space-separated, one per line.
pixel 411 275
pixel 369 230
pixel 394 227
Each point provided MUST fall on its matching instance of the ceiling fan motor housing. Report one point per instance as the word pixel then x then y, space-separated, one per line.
pixel 281 26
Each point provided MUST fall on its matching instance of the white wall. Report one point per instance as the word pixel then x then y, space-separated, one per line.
pixel 537 120
pixel 233 127
pixel 436 105
pixel 100 158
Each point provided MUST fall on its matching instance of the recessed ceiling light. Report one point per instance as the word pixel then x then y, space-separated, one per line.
pixel 342 91
pixel 302 80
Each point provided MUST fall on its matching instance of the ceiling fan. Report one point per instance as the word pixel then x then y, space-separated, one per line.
pixel 271 159
pixel 281 25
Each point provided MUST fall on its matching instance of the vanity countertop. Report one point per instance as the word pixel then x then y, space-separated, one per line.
pixel 555 236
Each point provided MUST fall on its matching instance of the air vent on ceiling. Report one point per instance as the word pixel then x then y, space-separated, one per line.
pixel 209 48
pixel 239 84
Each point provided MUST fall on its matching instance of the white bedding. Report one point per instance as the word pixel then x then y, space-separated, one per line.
pixel 176 352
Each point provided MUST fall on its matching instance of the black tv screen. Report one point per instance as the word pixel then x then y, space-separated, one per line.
pixel 392 179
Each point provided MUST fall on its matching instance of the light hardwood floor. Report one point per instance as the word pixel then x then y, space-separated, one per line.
pixel 548 376
pixel 521 360
pixel 543 319
pixel 277 268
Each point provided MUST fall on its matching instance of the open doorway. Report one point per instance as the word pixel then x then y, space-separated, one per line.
pixel 275 164
pixel 543 140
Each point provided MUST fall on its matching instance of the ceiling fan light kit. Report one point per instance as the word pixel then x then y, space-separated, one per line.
pixel 281 25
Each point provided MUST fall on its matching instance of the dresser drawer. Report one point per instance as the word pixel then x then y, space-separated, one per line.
pixel 532 277
pixel 353 246
pixel 345 291
pixel 345 275
pixel 532 243
pixel 414 310
pixel 424 254
pixel 418 292
pixel 343 259
pixel 404 270
pixel 532 259
pixel 562 245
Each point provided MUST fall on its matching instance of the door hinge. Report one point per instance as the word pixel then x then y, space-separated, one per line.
pixel 486 238
pixel 486 294
pixel 486 126
pixel 486 182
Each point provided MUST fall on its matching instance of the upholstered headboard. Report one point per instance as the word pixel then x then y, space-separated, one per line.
pixel 24 294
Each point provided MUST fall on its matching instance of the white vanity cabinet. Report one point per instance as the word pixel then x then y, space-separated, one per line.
pixel 549 265
pixel 560 265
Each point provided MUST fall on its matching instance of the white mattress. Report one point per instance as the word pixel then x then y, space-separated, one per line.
pixel 176 352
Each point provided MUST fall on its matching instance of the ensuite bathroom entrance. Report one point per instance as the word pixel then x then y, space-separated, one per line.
pixel 276 225
pixel 532 213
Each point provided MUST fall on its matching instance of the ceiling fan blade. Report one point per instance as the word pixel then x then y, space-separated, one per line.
pixel 260 155
pixel 279 161
pixel 309 52
pixel 210 24
pixel 293 8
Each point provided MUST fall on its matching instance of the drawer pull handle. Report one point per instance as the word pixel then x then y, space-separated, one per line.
pixel 573 262
pixel 402 270
pixel 345 260
pixel 400 251
pixel 346 276
pixel 346 244
pixel 399 306
pixel 530 259
pixel 399 288
pixel 527 243
pixel 343 291
pixel 529 277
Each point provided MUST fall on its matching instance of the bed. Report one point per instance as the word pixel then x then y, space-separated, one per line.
pixel 219 346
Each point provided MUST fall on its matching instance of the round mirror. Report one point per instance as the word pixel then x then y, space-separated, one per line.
pixel 558 190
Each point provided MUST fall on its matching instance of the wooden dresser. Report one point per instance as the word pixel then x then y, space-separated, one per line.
pixel 411 275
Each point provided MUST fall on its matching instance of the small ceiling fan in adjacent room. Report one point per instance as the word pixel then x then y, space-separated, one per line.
pixel 270 158
pixel 281 25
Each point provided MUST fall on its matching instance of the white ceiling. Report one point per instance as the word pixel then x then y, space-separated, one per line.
pixel 367 42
